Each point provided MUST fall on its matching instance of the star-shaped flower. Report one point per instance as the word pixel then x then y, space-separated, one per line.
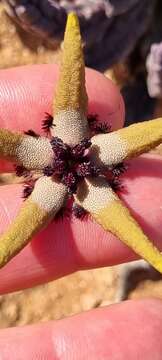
pixel 78 160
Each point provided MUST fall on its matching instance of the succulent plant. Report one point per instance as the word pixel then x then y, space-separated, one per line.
pixel 74 162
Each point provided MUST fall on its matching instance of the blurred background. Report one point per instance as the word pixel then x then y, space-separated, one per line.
pixel 123 39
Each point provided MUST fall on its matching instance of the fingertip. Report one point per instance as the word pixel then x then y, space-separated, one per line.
pixel 27 93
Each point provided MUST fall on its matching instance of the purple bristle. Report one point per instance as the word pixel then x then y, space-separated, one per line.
pixel 92 120
pixel 78 211
pixel 27 190
pixel 119 169
pixel 95 170
pixel 87 169
pixel 47 123
pixel 79 150
pixel 59 147
pixel 84 169
pixel 20 170
pixel 48 171
pixel 96 126
pixel 102 128
pixel 115 184
pixel 70 180
pixel 32 133
pixel 59 166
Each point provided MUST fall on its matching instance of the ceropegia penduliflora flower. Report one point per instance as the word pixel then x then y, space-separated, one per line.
pixel 74 161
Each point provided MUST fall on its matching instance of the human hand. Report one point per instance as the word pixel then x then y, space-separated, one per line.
pixel 128 330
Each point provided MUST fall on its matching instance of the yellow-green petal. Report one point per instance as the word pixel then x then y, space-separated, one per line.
pixel 107 209
pixel 31 152
pixel 70 101
pixel 45 201
pixel 126 143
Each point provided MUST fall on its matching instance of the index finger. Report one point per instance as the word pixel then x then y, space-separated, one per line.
pixel 26 93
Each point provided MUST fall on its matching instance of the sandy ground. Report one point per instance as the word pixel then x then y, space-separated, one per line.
pixel 77 292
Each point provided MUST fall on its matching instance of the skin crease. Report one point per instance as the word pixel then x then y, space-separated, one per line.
pixel 131 329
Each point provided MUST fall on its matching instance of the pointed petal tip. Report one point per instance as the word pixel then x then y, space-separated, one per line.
pixel 117 219
pixel 70 101
pixel 97 197
pixel 72 21
pixel 45 201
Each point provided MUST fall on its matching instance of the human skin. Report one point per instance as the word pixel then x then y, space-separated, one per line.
pixel 128 330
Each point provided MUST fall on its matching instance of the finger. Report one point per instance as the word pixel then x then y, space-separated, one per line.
pixel 26 93
pixel 69 245
pixel 130 330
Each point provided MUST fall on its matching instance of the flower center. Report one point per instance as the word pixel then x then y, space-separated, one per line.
pixel 71 164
